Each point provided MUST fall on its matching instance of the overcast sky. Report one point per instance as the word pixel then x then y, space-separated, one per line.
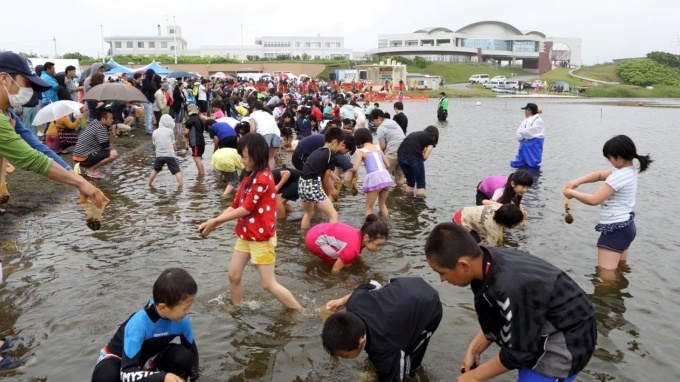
pixel 609 29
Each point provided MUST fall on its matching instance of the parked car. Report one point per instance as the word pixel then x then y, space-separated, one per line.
pixel 525 84
pixel 494 84
pixel 512 84
pixel 498 78
pixel 478 78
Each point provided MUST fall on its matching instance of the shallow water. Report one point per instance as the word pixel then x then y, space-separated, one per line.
pixel 71 288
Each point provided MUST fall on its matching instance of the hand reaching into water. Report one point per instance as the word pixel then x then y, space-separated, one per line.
pixel 205 228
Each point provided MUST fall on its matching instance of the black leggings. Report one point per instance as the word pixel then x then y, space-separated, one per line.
pixel 176 359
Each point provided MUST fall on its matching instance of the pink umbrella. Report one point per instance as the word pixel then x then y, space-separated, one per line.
pixel 283 75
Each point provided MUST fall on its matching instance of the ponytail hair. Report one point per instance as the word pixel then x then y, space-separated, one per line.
pixel 621 146
pixel 519 177
pixel 374 228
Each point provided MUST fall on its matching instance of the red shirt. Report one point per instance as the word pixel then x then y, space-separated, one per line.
pixel 317 113
pixel 260 200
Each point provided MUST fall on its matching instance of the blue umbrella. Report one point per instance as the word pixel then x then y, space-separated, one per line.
pixel 181 74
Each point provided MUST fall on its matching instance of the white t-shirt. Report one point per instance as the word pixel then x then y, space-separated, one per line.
pixel 202 96
pixel 530 128
pixel 265 123
pixel 619 206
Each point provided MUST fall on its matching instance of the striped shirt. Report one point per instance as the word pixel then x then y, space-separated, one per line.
pixel 619 206
pixel 94 138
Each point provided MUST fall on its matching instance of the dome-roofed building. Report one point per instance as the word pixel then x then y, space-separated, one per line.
pixel 483 41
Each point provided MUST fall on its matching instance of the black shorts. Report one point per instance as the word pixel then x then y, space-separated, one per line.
pixel 170 161
pixel 95 158
pixel 290 191
pixel 480 196
pixel 197 151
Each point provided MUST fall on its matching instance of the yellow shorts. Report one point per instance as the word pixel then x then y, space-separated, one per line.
pixel 261 252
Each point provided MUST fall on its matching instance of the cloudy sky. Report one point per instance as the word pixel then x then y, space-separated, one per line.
pixel 609 29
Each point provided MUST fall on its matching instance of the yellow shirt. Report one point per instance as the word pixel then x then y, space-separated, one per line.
pixel 227 160
pixel 62 123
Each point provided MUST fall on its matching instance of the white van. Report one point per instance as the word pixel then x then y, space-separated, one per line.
pixel 478 79
pixel 494 84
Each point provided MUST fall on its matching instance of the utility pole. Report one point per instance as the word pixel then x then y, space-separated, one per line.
pixel 175 36
pixel 55 47
pixel 242 51
pixel 101 30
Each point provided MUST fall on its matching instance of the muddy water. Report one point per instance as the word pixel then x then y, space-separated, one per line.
pixel 71 287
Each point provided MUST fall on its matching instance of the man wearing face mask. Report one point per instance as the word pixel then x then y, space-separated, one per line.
pixel 18 144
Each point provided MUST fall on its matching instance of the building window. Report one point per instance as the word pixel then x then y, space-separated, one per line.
pixel 172 47
pixel 328 44
pixel 411 42
pixel 488 44
pixel 118 45
pixel 164 44
pixel 172 31
pixel 526 46
pixel 338 45
pixel 128 44
pixel 297 44
pixel 395 43
pixel 308 44
pixel 140 44
pixel 152 44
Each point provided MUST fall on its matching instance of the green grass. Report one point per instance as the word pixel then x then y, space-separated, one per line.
pixel 455 72
pixel 631 91
pixel 601 72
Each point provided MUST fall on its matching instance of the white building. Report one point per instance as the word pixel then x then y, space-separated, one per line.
pixel 149 45
pixel 481 42
pixel 269 47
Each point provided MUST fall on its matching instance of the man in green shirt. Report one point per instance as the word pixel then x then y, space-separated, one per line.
pixel 17 83
pixel 443 109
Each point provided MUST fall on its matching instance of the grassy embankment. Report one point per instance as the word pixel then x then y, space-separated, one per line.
pixel 607 72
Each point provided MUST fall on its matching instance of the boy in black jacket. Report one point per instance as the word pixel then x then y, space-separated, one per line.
pixel 540 318
pixel 393 324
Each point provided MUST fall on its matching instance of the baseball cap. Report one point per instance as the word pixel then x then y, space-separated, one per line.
pixel 13 63
pixel 532 107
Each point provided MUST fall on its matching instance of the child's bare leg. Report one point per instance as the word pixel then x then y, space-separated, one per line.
pixel 227 191
pixel 272 158
pixel 607 259
pixel 382 198
pixel 280 207
pixel 308 214
pixel 409 190
pixel 269 283
pixel 371 197
pixel 327 208
pixel 199 166
pixel 152 177
pixel 178 176
pixel 420 192
pixel 238 263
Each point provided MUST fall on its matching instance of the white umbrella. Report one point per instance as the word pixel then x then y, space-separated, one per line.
pixel 231 121
pixel 220 75
pixel 56 110
pixel 304 76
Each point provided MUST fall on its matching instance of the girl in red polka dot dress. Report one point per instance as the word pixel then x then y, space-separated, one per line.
pixel 255 208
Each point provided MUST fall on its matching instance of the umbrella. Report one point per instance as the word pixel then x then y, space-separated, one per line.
pixel 250 88
pixel 181 74
pixel 228 120
pixel 303 76
pixel 56 110
pixel 115 92
pixel 87 72
pixel 283 75
pixel 219 75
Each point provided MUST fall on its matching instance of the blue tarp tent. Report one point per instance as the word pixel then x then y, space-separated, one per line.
pixel 156 68
pixel 117 68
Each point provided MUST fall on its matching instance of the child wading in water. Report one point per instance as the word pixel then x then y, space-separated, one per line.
pixel 504 189
pixel 378 180
pixel 255 208
pixel 617 197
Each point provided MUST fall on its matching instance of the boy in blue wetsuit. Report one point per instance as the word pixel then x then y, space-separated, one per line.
pixel 141 350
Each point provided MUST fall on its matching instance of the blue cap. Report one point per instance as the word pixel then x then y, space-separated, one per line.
pixel 13 63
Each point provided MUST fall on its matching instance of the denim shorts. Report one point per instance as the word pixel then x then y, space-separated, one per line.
pixel 413 168
pixel 273 140
pixel 619 240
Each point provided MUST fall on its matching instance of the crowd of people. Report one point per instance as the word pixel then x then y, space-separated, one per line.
pixel 286 144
